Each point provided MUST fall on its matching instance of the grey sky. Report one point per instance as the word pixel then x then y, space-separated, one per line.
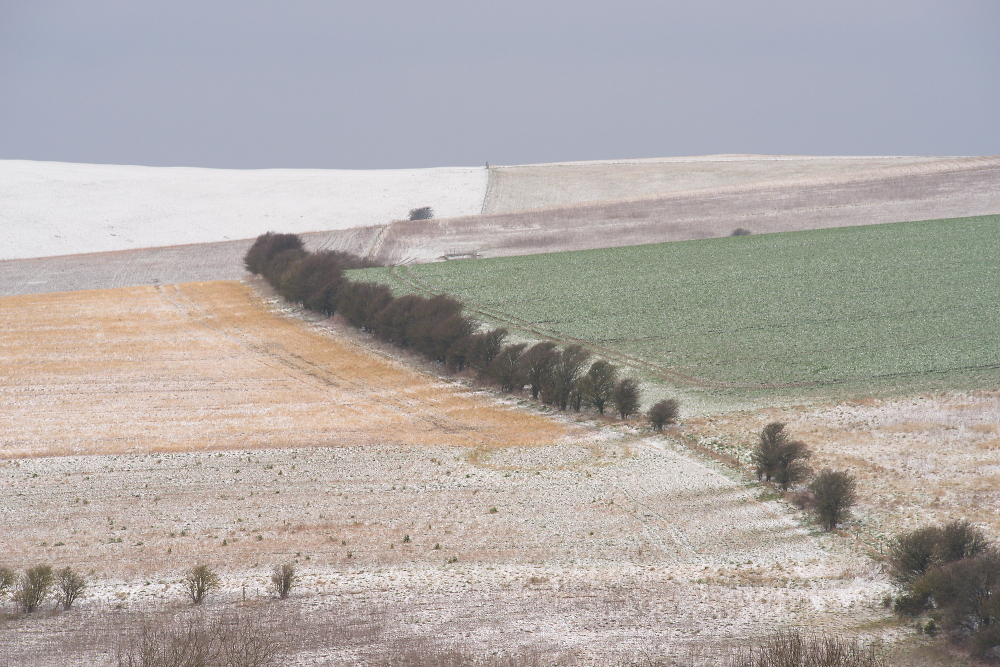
pixel 385 85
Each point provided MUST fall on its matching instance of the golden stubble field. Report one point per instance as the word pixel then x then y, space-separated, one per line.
pixel 206 366
pixel 149 429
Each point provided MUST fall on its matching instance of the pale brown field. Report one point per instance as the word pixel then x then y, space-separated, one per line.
pixel 918 460
pixel 209 366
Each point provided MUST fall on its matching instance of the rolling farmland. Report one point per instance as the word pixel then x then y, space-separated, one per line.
pixel 910 304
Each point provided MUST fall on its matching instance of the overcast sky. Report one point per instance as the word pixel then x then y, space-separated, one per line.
pixel 420 84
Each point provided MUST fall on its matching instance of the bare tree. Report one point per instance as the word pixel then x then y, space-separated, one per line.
pixel 283 578
pixel 506 368
pixel 765 454
pixel 664 412
pixel 791 468
pixel 601 380
pixel 200 579
pixel 536 365
pixel 565 372
pixel 70 585
pixel 33 587
pixel 626 397
pixel 834 494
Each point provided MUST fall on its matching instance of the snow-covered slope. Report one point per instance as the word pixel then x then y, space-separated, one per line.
pixel 53 208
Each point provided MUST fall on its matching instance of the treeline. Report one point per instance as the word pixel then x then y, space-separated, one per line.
pixel 436 328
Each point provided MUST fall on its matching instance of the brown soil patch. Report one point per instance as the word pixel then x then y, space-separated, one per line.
pixel 209 366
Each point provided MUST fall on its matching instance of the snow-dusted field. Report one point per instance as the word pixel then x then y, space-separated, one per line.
pixel 51 208
pixel 151 428
pixel 521 187
pixel 945 188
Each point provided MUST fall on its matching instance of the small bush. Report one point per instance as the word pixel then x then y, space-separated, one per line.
pixel 229 641
pixel 70 585
pixel 777 458
pixel 282 579
pixel 422 213
pixel 739 231
pixel 834 494
pixel 913 553
pixel 200 579
pixel 33 587
pixel 791 649
pixel 663 412
pixel 626 397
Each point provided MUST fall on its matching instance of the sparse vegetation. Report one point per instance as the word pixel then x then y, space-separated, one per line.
pixel 200 580
pixel 7 579
pixel 793 649
pixel 229 641
pixel 282 579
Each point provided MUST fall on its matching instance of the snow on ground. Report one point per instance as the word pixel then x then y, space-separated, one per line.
pixel 61 209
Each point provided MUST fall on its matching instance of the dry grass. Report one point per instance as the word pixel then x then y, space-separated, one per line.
pixel 208 366
pixel 920 460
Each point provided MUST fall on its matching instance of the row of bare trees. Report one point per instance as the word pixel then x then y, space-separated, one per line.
pixel 36 584
pixel 565 377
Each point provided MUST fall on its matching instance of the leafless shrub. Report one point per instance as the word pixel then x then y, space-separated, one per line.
pixel 834 494
pixel 506 368
pixel 283 578
pixel 69 585
pixel 739 231
pixel 791 649
pixel 200 579
pixel 228 641
pixel 664 412
pixel 777 458
pixel 599 384
pixel 626 397
pixel 33 587
pixel 536 365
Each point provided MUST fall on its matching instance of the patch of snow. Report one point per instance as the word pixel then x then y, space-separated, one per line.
pixel 54 208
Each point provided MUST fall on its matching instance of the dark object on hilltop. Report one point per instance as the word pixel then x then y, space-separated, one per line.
pixel 834 493
pixel 664 412
pixel 422 213
pixel 739 231
pixel 779 459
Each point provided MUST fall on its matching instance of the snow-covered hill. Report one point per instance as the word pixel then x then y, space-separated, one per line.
pixel 53 208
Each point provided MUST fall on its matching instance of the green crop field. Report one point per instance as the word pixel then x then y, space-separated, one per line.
pixel 903 305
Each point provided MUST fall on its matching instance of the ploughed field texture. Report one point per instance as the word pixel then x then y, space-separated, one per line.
pixel 212 366
pixel 905 304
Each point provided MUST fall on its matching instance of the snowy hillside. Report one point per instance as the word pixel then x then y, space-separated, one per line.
pixel 53 208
